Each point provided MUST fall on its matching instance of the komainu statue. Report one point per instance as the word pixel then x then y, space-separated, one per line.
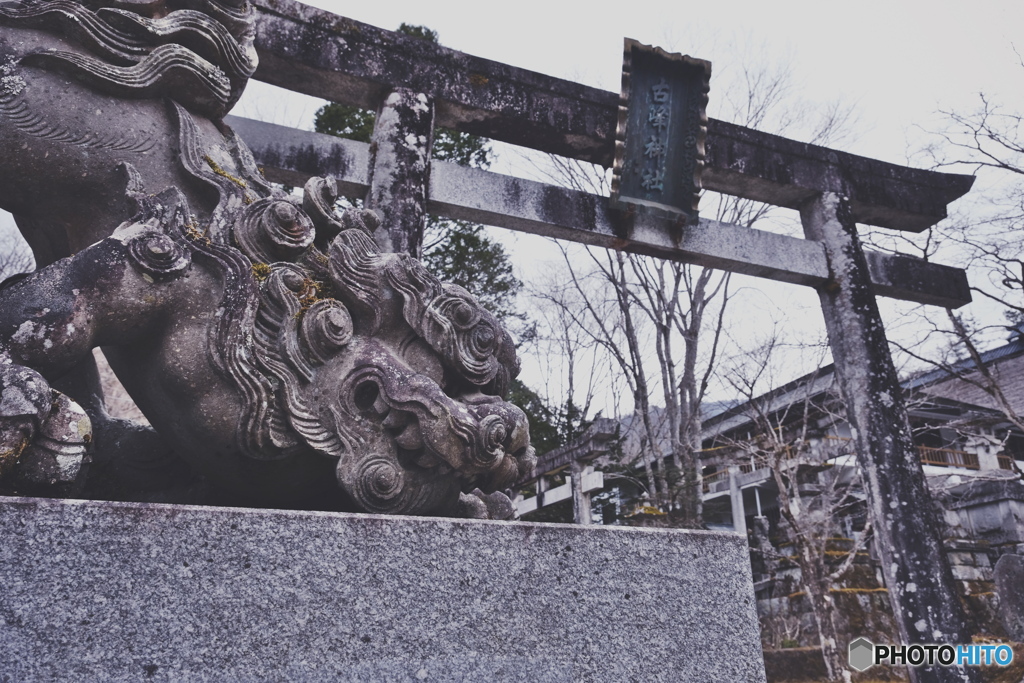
pixel 280 357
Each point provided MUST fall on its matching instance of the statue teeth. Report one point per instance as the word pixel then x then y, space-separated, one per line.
pixel 396 420
pixel 411 439
pixel 381 407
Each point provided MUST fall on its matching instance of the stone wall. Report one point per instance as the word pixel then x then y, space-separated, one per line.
pixel 983 520
pixel 101 591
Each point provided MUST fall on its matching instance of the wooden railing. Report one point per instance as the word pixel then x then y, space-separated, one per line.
pixel 942 457
pixel 946 457
pixel 713 477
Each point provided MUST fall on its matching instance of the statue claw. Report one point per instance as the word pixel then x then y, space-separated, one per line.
pixel 44 435
pixel 480 505
pixel 55 455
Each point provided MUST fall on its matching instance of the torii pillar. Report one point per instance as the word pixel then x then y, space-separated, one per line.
pixel 916 568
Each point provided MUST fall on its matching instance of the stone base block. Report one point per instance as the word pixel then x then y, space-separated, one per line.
pixel 116 591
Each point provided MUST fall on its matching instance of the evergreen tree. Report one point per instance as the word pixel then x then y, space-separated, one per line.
pixel 461 252
pixel 455 251
pixel 544 432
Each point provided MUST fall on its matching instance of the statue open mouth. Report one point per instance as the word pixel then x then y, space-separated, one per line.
pixel 267 339
pixel 422 440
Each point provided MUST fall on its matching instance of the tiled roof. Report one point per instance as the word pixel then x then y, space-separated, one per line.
pixel 1014 348
pixel 734 410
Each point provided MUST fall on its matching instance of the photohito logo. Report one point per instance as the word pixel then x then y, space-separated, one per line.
pixel 864 654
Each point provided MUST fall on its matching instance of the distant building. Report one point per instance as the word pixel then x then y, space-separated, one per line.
pixel 971 453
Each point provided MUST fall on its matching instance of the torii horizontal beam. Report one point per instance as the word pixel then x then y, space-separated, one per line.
pixel 324 55
pixel 291 156
pixel 593 443
pixel 416 85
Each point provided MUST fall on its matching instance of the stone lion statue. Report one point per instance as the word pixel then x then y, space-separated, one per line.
pixel 281 358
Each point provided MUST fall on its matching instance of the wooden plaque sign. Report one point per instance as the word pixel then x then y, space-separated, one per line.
pixel 659 142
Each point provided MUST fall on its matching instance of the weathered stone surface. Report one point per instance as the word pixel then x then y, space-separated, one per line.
pixel 917 572
pixel 992 510
pixel 291 156
pixel 101 591
pixel 325 55
pixel 1009 577
pixel 278 353
pixel 770 168
pixel 403 137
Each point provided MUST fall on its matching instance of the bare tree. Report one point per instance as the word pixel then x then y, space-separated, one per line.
pixel 571 354
pixel 985 236
pixel 818 484
pixel 661 323
pixel 631 308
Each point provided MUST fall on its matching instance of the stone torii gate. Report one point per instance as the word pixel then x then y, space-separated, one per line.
pixel 576 456
pixel 415 86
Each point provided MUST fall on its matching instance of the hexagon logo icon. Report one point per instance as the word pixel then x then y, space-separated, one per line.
pixel 862 654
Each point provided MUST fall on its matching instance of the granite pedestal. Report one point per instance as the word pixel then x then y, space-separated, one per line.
pixel 116 591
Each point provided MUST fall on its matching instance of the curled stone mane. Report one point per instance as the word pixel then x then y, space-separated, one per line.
pixel 279 344
pixel 200 52
pixel 316 337
pixel 230 193
pixel 445 315
pixel 230 347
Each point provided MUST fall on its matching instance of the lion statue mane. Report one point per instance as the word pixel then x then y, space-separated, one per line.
pixel 280 356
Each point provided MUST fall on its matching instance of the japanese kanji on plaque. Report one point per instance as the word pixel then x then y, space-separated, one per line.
pixel 659 142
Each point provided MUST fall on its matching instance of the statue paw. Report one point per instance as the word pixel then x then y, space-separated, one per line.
pixel 55 455
pixel 44 435
pixel 480 505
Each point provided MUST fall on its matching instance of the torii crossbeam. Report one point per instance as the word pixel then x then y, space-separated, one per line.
pixel 415 85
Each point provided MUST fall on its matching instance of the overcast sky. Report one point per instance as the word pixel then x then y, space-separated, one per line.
pixel 896 61
pixel 897 64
